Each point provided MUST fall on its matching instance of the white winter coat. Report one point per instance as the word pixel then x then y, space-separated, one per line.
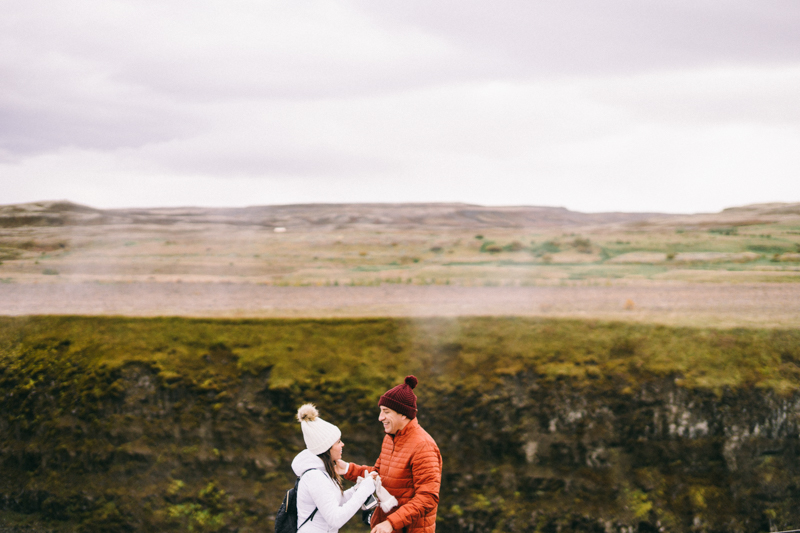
pixel 318 490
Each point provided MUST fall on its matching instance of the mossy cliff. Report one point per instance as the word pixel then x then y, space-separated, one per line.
pixel 112 424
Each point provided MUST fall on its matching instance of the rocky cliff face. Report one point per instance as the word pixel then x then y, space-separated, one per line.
pixel 91 442
pixel 550 457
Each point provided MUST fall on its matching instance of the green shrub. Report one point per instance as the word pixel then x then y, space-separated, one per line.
pixel 549 247
pixel 8 254
pixel 768 248
pixel 490 247
pixel 582 245
pixel 514 246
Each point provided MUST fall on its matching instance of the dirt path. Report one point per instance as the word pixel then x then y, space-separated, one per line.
pixel 767 304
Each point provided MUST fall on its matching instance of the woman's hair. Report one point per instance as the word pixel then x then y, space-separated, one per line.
pixel 330 468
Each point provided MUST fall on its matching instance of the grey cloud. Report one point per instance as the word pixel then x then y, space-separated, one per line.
pixel 87 77
pixel 55 100
pixel 418 44
pixel 284 165
pixel 475 41
pixel 25 132
pixel 415 90
pixel 599 38
pixel 193 52
pixel 756 95
pixel 268 162
pixel 421 44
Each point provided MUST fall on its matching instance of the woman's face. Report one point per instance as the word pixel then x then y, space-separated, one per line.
pixel 336 450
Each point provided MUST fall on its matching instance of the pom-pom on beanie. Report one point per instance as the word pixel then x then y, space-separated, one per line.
pixel 318 434
pixel 402 398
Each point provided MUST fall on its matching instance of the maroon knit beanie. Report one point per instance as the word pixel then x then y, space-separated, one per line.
pixel 401 398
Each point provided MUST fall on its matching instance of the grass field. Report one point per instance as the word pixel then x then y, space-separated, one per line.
pixel 707 248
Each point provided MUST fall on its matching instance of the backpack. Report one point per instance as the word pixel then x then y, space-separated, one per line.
pixel 286 519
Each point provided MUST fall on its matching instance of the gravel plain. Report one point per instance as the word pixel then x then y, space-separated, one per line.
pixel 720 305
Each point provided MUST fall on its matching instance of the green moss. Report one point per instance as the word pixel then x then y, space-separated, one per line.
pixel 122 424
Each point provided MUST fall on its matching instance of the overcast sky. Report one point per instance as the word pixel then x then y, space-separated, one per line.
pixel 630 105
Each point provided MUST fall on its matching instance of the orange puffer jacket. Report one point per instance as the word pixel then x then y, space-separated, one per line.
pixel 410 467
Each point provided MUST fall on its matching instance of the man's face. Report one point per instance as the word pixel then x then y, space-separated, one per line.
pixel 392 420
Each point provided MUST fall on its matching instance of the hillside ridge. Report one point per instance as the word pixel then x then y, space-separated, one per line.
pixel 401 215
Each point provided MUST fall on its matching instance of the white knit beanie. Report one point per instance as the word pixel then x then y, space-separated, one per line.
pixel 318 434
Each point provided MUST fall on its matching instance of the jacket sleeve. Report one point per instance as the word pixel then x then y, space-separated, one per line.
pixel 355 471
pixel 349 493
pixel 346 495
pixel 426 470
pixel 327 498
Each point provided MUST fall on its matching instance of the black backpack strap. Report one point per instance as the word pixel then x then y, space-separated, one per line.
pixel 309 518
pixel 296 486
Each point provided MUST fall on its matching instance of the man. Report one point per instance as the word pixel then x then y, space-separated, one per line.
pixel 410 465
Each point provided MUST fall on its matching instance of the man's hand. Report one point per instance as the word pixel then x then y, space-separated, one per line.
pixel 341 467
pixel 383 527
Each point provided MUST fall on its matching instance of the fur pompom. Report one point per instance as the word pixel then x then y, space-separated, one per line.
pixel 307 413
pixel 411 381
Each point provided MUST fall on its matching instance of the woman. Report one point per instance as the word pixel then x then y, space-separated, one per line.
pixel 320 485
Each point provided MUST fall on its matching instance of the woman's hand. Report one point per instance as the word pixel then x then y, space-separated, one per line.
pixel 372 476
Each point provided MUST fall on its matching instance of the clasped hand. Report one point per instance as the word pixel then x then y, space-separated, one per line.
pixel 373 475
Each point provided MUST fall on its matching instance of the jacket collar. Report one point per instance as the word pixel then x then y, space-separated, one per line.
pixel 306 460
pixel 408 429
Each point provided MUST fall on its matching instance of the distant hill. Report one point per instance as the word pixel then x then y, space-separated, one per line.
pixel 60 213
pixel 401 216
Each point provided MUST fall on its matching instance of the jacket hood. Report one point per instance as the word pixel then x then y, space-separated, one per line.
pixel 305 460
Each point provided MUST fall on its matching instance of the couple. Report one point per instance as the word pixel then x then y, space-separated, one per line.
pixel 409 469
